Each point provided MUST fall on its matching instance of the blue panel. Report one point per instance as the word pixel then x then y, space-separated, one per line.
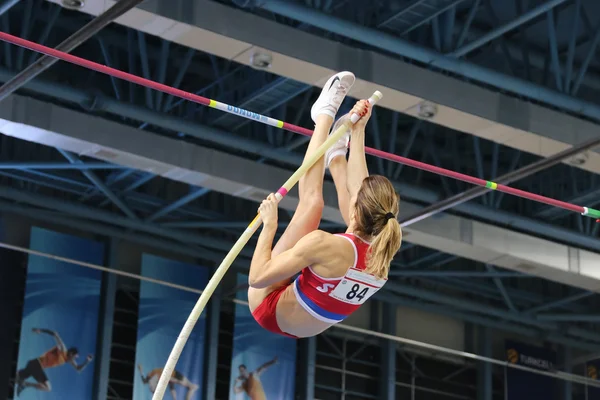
pixel 269 359
pixel 163 312
pixel 60 312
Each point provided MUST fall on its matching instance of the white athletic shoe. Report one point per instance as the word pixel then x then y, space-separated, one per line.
pixel 339 148
pixel 332 95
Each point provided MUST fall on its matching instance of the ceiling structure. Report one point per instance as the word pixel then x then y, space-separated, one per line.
pixel 512 81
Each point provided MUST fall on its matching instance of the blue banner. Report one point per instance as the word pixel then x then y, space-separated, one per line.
pixel 593 372
pixel 263 365
pixel 524 385
pixel 163 311
pixel 60 319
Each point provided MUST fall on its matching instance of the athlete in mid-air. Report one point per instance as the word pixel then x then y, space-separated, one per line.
pixel 249 382
pixel 55 357
pixel 338 272
pixel 177 378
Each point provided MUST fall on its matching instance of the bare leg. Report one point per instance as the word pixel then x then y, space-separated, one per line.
pixel 310 192
pixel 308 213
pixel 339 171
pixel 310 187
pixel 42 386
pixel 192 388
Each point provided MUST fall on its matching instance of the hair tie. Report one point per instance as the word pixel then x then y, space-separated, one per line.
pixel 389 216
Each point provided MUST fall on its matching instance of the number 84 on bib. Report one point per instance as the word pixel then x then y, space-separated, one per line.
pixel 356 287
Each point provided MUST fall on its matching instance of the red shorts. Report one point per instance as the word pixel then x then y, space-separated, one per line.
pixel 266 313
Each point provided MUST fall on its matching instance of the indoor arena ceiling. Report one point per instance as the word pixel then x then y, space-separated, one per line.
pixel 509 82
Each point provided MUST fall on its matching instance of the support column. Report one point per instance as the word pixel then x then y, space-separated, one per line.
pixel 567 386
pixel 484 370
pixel 11 285
pixel 307 362
pixel 212 344
pixel 105 326
pixel 388 353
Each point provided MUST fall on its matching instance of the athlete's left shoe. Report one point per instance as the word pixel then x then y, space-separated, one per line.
pixel 332 95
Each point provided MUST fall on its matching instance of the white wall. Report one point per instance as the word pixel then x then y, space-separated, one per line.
pixel 430 328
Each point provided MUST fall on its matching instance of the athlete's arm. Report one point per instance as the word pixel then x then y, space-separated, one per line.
pixel 309 250
pixel 81 366
pixel 357 162
pixel 57 339
pixel 266 365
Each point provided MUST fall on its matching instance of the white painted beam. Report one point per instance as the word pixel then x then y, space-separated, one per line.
pixel 236 35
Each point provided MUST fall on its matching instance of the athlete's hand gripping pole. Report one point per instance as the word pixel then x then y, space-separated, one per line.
pixel 237 247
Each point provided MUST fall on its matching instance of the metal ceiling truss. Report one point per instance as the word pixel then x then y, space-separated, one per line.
pixel 110 187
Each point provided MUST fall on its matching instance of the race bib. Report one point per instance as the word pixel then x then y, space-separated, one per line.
pixel 356 287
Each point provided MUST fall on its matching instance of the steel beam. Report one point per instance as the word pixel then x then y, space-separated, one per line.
pixel 73 159
pixel 308 360
pixel 458 274
pixel 82 211
pixel 501 30
pixel 210 168
pixel 568 317
pixel 393 44
pixel 105 331
pixel 484 369
pixel 494 323
pixel 109 231
pixel 559 303
pixel 68 45
pixel 586 62
pixel 464 304
pixel 501 289
pixel 134 185
pixel 388 353
pixel 212 339
pixel 234 225
pixel 195 194
pixel 506 179
pixel 6 5
pixel 57 166
pixel 566 360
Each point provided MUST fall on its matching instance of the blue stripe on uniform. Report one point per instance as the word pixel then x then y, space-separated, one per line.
pixel 318 310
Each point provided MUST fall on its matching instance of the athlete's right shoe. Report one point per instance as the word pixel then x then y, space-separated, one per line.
pixel 339 148
pixel 332 95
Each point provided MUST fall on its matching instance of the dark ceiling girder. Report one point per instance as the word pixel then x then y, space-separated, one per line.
pixel 70 44
pixel 175 124
pixel 513 176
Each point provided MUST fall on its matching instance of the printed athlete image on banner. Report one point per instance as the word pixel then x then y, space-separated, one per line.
pixel 60 319
pixel 263 365
pixel 163 311
pixel 524 385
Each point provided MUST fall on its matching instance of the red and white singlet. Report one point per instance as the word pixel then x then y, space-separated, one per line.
pixel 331 300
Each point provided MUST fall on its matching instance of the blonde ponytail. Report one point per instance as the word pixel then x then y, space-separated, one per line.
pixel 377 207
pixel 383 249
